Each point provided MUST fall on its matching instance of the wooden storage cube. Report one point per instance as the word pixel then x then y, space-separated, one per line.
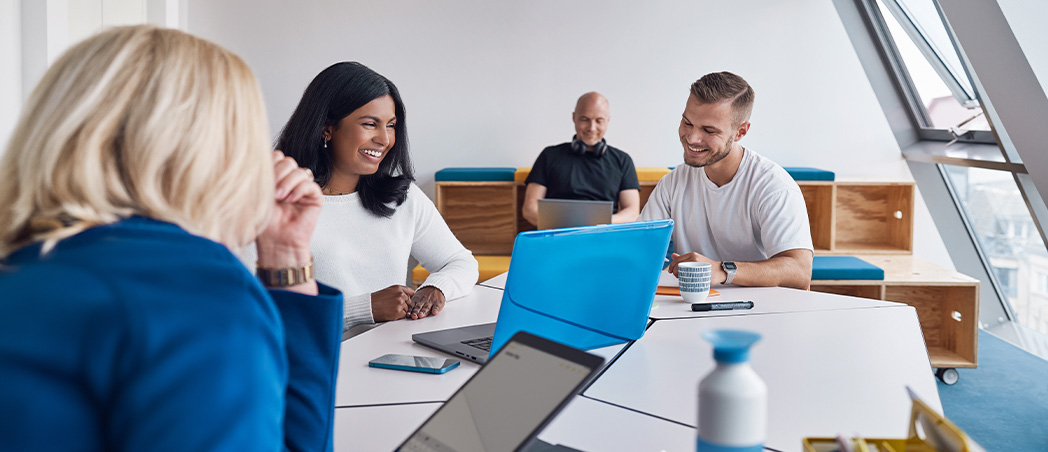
pixel 482 215
pixel 874 217
pixel 818 198
pixel 962 306
pixel 646 188
pixel 873 291
pixel 948 316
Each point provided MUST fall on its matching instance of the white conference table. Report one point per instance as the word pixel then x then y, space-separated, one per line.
pixel 498 282
pixel 828 372
pixel 584 424
pixel 378 428
pixel 833 364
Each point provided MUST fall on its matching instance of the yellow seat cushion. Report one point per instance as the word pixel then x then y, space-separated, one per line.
pixel 490 267
pixel 650 174
pixel 521 174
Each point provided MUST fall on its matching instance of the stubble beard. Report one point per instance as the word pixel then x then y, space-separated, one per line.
pixel 714 158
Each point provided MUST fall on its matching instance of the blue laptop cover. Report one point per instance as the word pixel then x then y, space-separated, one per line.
pixel 585 287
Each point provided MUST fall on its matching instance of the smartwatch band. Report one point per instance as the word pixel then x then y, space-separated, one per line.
pixel 729 267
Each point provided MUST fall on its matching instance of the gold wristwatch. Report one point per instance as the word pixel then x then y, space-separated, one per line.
pixel 286 277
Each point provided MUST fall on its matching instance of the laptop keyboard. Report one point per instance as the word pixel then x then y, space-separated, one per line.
pixel 483 343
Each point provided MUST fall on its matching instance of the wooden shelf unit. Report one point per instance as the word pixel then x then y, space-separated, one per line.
pixel 947 304
pixel 846 217
pixel 860 217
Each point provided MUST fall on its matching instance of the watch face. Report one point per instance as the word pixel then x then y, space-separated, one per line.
pixel 729 266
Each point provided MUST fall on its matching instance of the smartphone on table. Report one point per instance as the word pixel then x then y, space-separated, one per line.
pixel 413 363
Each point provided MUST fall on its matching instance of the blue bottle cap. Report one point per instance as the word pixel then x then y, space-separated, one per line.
pixel 731 346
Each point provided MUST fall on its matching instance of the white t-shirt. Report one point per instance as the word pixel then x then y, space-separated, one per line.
pixel 757 215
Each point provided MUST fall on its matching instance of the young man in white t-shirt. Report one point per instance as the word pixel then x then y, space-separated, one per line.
pixel 733 208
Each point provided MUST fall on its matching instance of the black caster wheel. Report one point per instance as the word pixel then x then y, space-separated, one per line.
pixel 947 375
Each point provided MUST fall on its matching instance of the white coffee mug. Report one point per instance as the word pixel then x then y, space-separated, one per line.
pixel 694 279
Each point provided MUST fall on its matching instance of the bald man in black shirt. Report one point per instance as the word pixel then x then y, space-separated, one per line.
pixel 585 168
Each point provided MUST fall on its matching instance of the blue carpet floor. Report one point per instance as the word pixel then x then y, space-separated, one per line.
pixel 1002 404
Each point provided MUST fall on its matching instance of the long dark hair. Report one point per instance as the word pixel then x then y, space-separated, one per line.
pixel 332 95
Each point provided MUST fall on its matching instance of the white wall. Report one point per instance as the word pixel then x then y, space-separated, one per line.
pixel 491 83
pixel 1027 19
pixel 10 67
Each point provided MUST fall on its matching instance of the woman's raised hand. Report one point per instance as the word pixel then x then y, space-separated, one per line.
pixel 297 202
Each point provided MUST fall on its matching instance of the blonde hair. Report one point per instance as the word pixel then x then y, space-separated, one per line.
pixel 139 121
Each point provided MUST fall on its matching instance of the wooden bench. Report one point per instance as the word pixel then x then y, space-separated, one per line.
pixel 947 303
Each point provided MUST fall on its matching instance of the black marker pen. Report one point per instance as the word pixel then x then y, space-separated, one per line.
pixel 728 306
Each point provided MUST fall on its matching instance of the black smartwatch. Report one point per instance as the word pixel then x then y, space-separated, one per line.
pixel 729 267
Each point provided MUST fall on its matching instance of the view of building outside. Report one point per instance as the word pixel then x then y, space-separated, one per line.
pixel 1008 238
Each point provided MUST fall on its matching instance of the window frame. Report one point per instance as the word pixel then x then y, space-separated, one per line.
pixel 920 37
pixel 929 151
pixel 918 113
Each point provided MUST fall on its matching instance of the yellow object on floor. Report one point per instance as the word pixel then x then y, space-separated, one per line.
pixel 490 267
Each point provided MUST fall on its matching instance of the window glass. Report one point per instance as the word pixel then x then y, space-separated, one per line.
pixel 1007 236
pixel 922 19
pixel 942 107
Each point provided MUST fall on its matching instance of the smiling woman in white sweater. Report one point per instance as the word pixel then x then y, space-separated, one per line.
pixel 349 129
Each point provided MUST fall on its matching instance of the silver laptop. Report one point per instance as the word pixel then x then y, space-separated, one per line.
pixel 569 213
pixel 470 342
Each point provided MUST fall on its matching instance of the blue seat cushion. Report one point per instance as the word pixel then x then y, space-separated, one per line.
pixel 801 173
pixel 475 174
pixel 844 267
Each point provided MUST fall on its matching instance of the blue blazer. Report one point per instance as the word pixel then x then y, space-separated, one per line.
pixel 140 336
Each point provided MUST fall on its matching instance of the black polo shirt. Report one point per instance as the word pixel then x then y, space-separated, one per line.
pixel 569 175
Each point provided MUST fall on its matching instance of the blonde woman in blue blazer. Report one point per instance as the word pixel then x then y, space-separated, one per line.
pixel 126 323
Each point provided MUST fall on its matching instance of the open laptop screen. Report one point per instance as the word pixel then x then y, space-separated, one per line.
pixel 509 400
pixel 570 213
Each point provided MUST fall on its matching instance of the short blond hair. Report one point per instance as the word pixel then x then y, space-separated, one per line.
pixel 139 121
pixel 717 87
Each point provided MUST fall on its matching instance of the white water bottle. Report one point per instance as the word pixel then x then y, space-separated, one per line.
pixel 733 400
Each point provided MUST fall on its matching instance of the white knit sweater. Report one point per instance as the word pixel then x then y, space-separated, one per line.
pixel 359 253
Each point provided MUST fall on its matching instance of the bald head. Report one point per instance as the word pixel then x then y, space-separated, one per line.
pixel 590 100
pixel 591 117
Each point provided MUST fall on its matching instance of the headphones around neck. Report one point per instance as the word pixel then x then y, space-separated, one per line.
pixel 579 147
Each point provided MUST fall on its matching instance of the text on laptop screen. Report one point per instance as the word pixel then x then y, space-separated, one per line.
pixel 500 407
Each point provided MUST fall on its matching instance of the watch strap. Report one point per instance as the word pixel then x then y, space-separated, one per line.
pixel 730 270
pixel 287 276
